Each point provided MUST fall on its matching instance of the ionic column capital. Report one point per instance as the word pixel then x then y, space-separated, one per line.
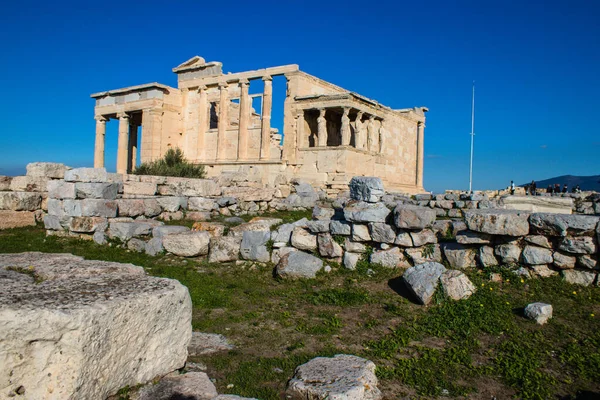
pixel 244 82
pixel 346 110
pixel 101 118
pixel 223 85
pixel 322 112
pixel 371 118
pixel 267 78
pixel 201 88
pixel 122 116
pixel 359 114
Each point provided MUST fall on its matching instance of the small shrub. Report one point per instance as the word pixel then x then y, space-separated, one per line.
pixel 172 164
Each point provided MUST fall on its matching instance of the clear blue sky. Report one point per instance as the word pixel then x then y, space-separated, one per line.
pixel 536 65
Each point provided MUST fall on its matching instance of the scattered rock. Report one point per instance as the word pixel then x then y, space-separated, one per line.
pixel 391 258
pixel 459 256
pixel 254 246
pixel 422 280
pixel 583 278
pixel 351 259
pixel 366 188
pixel 187 244
pixel 208 343
pixel 533 255
pixel 539 312
pixel 498 222
pixel 298 264
pixel 341 377
pixel 366 212
pixel 303 240
pixel 456 285
pixel 413 217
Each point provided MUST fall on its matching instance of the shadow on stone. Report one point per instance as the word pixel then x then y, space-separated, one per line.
pixel 399 286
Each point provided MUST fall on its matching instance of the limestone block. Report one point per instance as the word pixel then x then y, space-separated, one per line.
pixel 130 207
pixel 459 256
pixel 151 208
pixel 423 237
pixel 16 219
pixel 318 226
pixel 539 312
pixel 582 278
pixel 390 258
pixel 354 247
pixel 340 228
pixel 249 226
pixel 224 249
pixel 77 323
pixel 249 194
pixel 486 257
pixel 201 204
pixel 420 255
pixel 20 201
pixel 59 189
pixel 563 261
pixel 140 188
pixel 46 170
pixel 154 246
pixel 96 190
pixel 126 230
pixel 53 223
pixel 276 254
pixel 539 240
pixel 470 237
pixel 422 280
pixel 534 255
pixel 456 285
pixel 98 208
pixel 538 204
pixel 303 240
pixel 360 233
pixel 587 261
pixel 328 247
pixel 298 264
pixel 351 260
pixel 382 233
pixel 87 224
pixel 213 228
pixel 5 183
pixel 445 204
pixel 163 230
pixel 189 187
pixel 366 188
pixel 341 377
pixel 509 253
pixel 86 175
pixel 28 184
pixel 137 245
pixel 563 225
pixel 413 217
pixel 404 239
pixel 578 245
pixel 281 237
pixel 366 212
pixel 322 213
pixel 99 237
pixel 187 244
pixel 172 203
pixel 254 246
pixel 498 222
pixel 543 271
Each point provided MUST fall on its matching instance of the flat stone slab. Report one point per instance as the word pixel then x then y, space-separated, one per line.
pixel 298 264
pixel 538 204
pixel 343 377
pixel 208 343
pixel 498 222
pixel 16 219
pixel 83 329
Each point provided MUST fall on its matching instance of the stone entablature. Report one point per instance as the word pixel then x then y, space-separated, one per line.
pixel 318 116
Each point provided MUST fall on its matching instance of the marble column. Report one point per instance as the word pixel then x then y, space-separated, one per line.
pixel 223 120
pixel 202 122
pixel 345 128
pixel 358 131
pixel 322 128
pixel 300 130
pixel 123 143
pixel 265 129
pixel 151 134
pixel 133 147
pixel 243 120
pixel 100 141
pixel 371 133
pixel 420 147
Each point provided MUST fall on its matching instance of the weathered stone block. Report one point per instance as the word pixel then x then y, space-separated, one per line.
pixel 298 264
pixel 139 188
pixel 382 233
pixel 575 277
pixel 563 225
pixel 126 230
pixel 187 244
pixel 322 213
pixel 340 228
pixel 578 245
pixel 303 240
pixel 498 222
pixel 422 280
pixel 486 257
pixel 213 228
pixel 366 212
pixel 87 224
pixel 201 204
pixel 28 184
pixel 161 231
pixel 539 312
pixel 428 253
pixel 390 258
pixel 224 249
pixel 52 222
pixel 328 247
pixel 130 207
pixel 539 240
pixel 470 237
pixel 456 285
pixel 20 201
pixel 189 187
pixel 366 188
pixel 46 170
pixel 254 246
pixel 59 189
pixel 413 217
pixel 423 237
pixel 98 208
pixel 154 246
pixel 172 203
pixel 360 233
pixel 563 261
pixel 96 190
pixel 86 175
pixel 319 226
pixel 459 256
pixel 351 259
pixel 509 253
pixel 16 219
pixel 5 183
pixel 354 247
pixel 249 193
pixel 78 321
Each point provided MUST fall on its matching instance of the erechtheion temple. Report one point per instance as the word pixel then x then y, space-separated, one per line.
pixel 329 134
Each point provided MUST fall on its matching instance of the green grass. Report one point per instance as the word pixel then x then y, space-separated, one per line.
pixel 473 349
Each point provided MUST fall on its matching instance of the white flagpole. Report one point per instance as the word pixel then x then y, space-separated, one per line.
pixel 472 137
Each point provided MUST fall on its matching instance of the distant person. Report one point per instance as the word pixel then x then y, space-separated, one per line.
pixel 533 188
pixel 512 188
pixel 557 188
pixel 549 189
pixel 565 188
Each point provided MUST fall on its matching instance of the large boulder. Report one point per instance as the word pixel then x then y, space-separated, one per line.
pixel 20 201
pixel 96 190
pixel 328 247
pixel 390 258
pixel 539 312
pixel 563 225
pixel 366 188
pixel 86 175
pixel 456 285
pixel 366 212
pixel 69 335
pixel 459 256
pixel 47 170
pixel 224 249
pixel 422 280
pixel 187 244
pixel 578 245
pixel 254 246
pixel 341 377
pixel 534 255
pixel 413 217
pixel 298 264
pixel 303 239
pixel 575 277
pixel 498 222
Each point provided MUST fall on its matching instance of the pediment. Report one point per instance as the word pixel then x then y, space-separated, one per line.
pixel 194 62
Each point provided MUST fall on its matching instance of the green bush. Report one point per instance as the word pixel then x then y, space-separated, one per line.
pixel 172 164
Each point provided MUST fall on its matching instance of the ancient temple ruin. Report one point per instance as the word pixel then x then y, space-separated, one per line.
pixel 329 134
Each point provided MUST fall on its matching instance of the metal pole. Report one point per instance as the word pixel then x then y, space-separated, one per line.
pixel 472 137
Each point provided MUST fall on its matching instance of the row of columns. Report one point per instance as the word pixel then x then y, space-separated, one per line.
pixel 126 147
pixel 361 141
pixel 244 120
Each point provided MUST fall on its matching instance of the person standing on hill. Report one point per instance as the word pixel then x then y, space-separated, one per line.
pixel 565 188
pixel 512 188
pixel 533 188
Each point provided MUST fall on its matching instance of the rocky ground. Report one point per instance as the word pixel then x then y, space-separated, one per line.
pixel 481 347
